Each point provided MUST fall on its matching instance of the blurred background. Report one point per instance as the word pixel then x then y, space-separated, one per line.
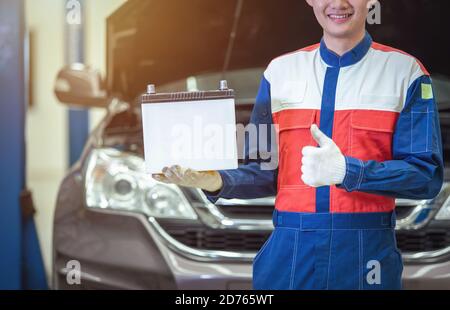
pixel 71 73
pixel 45 30
pixel 47 129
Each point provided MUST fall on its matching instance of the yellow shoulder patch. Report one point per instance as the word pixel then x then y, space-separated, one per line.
pixel 427 91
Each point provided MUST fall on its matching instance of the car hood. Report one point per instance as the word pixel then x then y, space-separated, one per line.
pixel 161 41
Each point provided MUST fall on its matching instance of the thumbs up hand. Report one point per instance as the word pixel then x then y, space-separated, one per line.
pixel 324 165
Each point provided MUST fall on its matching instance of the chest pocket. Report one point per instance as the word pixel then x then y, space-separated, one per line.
pixel 289 94
pixel 294 133
pixel 371 134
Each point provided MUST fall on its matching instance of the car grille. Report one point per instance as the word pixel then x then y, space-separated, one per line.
pixel 423 240
pixel 209 239
pixel 202 237
pixel 247 212
pixel 219 240
pixel 265 212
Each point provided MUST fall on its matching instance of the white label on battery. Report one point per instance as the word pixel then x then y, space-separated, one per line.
pixel 200 135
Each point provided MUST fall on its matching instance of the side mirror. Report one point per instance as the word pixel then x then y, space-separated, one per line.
pixel 81 86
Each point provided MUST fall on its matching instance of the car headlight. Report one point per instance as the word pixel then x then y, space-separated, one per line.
pixel 116 180
pixel 444 211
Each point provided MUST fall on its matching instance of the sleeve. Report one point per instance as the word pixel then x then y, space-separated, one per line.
pixel 416 171
pixel 256 177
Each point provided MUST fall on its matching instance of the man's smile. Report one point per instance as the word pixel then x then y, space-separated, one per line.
pixel 340 18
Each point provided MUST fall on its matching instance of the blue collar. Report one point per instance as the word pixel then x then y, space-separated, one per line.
pixel 350 58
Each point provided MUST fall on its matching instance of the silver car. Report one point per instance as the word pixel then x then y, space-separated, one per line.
pixel 124 230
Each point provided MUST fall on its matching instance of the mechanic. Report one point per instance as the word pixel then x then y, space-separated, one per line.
pixel 357 126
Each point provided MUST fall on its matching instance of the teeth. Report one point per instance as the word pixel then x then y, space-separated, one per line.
pixel 342 16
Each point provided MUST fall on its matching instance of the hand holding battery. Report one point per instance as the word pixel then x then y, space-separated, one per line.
pixel 324 165
pixel 210 181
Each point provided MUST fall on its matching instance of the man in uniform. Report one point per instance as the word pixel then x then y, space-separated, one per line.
pixel 357 126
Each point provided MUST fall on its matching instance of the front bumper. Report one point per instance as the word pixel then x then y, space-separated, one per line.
pixel 435 276
pixel 145 261
pixel 118 250
pixel 125 251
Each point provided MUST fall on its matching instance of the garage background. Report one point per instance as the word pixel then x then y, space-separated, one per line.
pixel 47 119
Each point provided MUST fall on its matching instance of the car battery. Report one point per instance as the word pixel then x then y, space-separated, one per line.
pixel 194 129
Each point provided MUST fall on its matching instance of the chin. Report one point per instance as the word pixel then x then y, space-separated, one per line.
pixel 340 33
